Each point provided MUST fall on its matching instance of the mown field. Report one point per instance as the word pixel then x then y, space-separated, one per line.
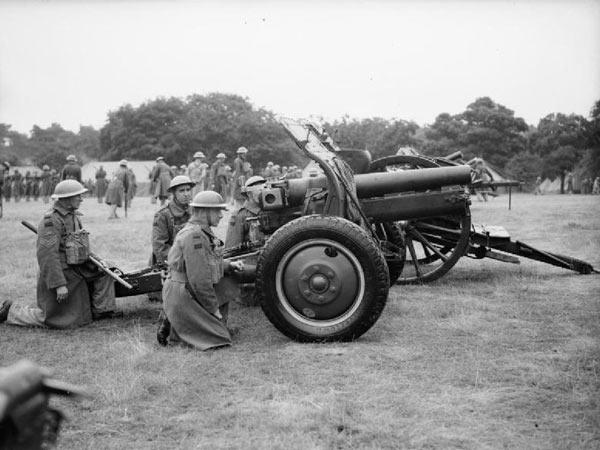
pixel 493 355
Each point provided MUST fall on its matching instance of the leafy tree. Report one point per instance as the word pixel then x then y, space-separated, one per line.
pixel 591 159
pixel 524 167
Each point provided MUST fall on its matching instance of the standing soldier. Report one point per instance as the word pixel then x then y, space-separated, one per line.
pixel 162 175
pixel 197 172
pixel 569 180
pixel 36 186
pixel 71 170
pixel 132 186
pixel 538 188
pixel 242 170
pixel 4 167
pixel 268 172
pixel 71 292
pixel 28 183
pixel 46 189
pixel 101 183
pixel 218 175
pixel 196 311
pixel 596 186
pixel 17 185
pixel 168 220
pixel 117 188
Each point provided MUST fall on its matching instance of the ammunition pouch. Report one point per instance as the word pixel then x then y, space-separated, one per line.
pixel 77 247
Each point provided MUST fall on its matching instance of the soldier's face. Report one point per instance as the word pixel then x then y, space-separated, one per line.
pixel 214 216
pixel 75 201
pixel 183 194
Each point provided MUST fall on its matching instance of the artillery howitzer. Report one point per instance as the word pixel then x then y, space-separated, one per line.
pixel 434 245
pixel 26 419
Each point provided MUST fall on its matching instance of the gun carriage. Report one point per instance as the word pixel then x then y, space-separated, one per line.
pixel 335 243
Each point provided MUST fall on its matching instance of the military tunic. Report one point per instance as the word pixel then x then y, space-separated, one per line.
pixel 218 178
pixel 197 173
pixel 161 174
pixel 191 292
pixel 82 281
pixel 242 170
pixel 71 171
pixel 117 188
pixel 168 221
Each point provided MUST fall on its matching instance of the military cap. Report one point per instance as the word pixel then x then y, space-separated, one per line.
pixel 208 199
pixel 221 155
pixel 199 155
pixel 180 180
pixel 270 163
pixel 68 188
pixel 71 158
pixel 242 150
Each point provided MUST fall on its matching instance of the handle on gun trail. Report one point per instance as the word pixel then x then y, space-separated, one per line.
pixel 95 259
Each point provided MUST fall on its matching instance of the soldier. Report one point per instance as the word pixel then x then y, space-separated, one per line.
pixel 46 188
pixel 17 186
pixel 197 171
pixel 132 186
pixel 71 170
pixel 71 291
pixel 162 175
pixel 244 229
pixel 196 312
pixel 242 170
pixel 117 188
pixel 538 188
pixel 268 172
pixel 569 180
pixel 28 183
pixel 4 167
pixel 596 186
pixel 101 184
pixel 36 186
pixel 218 175
pixel 167 222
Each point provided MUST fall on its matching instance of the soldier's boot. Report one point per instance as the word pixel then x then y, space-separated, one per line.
pixel 4 307
pixel 164 330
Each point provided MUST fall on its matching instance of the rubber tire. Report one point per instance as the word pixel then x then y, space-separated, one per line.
pixel 346 234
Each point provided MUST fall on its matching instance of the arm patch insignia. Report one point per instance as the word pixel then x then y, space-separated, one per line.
pixel 48 240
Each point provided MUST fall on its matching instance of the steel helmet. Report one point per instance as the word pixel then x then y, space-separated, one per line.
pixel 199 155
pixel 160 158
pixel 180 180
pixel 252 181
pixel 46 167
pixel 208 199
pixel 68 188
pixel 123 162
pixel 71 158
pixel 270 163
pixel 242 150
pixel 6 164
pixel 221 155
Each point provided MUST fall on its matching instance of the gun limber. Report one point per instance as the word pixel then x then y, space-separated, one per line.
pixel 96 260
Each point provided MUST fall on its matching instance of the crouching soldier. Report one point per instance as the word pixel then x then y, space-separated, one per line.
pixel 244 230
pixel 71 291
pixel 196 309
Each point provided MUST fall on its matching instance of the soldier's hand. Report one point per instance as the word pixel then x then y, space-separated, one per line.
pixel 61 293
pixel 237 266
pixel 218 315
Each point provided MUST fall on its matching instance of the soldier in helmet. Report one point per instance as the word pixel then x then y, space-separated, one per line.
pixel 71 170
pixel 218 175
pixel 196 312
pixel 101 184
pixel 162 175
pixel 197 172
pixel 46 187
pixel 71 291
pixel 168 220
pixel 242 170
pixel 117 189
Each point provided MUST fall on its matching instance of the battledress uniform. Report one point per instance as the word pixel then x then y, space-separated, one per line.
pixel 191 292
pixel 162 175
pixel 71 171
pixel 168 221
pixel 82 281
pixel 242 170
pixel 197 172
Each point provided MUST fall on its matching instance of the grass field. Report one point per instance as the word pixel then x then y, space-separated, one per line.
pixel 493 355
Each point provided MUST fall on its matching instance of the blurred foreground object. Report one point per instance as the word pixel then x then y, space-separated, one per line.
pixel 26 419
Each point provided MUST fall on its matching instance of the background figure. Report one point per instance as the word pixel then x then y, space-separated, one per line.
pixel 162 175
pixel 28 185
pixel 46 188
pixel 101 184
pixel 132 191
pixel 71 170
pixel 538 189
pixel 569 181
pixel 596 186
pixel 242 170
pixel 17 187
pixel 118 186
pixel 218 176
pixel 197 171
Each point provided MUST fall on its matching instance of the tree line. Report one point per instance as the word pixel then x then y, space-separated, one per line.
pixel 177 127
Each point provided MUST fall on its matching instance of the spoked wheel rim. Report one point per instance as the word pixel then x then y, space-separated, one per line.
pixel 433 247
pixel 319 282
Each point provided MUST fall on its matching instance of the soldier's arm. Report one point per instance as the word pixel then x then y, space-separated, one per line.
pixel 198 270
pixel 160 237
pixel 48 241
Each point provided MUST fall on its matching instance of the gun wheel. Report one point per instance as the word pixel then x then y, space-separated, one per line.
pixel 322 278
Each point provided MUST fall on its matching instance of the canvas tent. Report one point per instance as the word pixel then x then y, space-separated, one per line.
pixel 550 187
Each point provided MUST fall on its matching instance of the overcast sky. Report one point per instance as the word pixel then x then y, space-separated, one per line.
pixel 72 61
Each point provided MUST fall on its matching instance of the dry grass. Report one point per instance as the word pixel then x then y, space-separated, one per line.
pixel 491 356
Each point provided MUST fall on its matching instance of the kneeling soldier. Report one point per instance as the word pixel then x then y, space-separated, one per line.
pixel 196 311
pixel 67 279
